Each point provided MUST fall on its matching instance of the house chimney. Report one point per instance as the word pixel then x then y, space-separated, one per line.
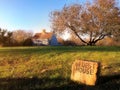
pixel 43 31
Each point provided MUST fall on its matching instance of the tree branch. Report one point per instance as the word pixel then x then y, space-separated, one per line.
pixel 74 30
pixel 91 36
pixel 102 36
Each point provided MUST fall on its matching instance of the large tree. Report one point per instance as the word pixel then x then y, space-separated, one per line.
pixel 93 21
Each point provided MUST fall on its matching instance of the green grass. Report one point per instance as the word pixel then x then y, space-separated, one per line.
pixel 32 68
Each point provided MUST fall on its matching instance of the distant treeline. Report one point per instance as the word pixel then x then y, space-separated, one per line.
pixel 15 38
pixel 24 38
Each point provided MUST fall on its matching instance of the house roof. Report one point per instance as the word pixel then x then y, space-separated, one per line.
pixel 43 35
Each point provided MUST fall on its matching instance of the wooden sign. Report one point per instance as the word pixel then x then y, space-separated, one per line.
pixel 84 72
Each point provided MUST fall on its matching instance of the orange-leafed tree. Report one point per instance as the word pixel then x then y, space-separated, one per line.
pixel 93 21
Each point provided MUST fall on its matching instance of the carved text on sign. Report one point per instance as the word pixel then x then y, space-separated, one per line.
pixel 84 67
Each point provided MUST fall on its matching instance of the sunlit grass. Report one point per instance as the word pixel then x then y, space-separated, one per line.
pixel 54 62
pixel 27 60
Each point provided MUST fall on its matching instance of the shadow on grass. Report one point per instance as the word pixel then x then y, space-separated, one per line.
pixel 109 82
pixel 105 83
pixel 38 84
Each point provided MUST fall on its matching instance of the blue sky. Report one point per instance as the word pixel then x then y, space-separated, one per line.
pixel 28 15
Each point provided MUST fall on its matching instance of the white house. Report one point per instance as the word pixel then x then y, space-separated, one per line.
pixel 45 38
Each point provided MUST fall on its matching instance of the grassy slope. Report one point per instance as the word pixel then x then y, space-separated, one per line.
pixel 52 65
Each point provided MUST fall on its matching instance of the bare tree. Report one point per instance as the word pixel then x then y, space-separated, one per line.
pixel 94 20
pixel 20 36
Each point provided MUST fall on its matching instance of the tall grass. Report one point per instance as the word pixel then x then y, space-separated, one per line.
pixel 54 63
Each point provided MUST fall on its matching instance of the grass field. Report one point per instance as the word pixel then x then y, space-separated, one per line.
pixel 49 68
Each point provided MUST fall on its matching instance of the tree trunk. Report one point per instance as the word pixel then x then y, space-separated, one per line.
pixel 91 43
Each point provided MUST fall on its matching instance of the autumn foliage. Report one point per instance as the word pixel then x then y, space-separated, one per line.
pixel 95 21
pixel 15 38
